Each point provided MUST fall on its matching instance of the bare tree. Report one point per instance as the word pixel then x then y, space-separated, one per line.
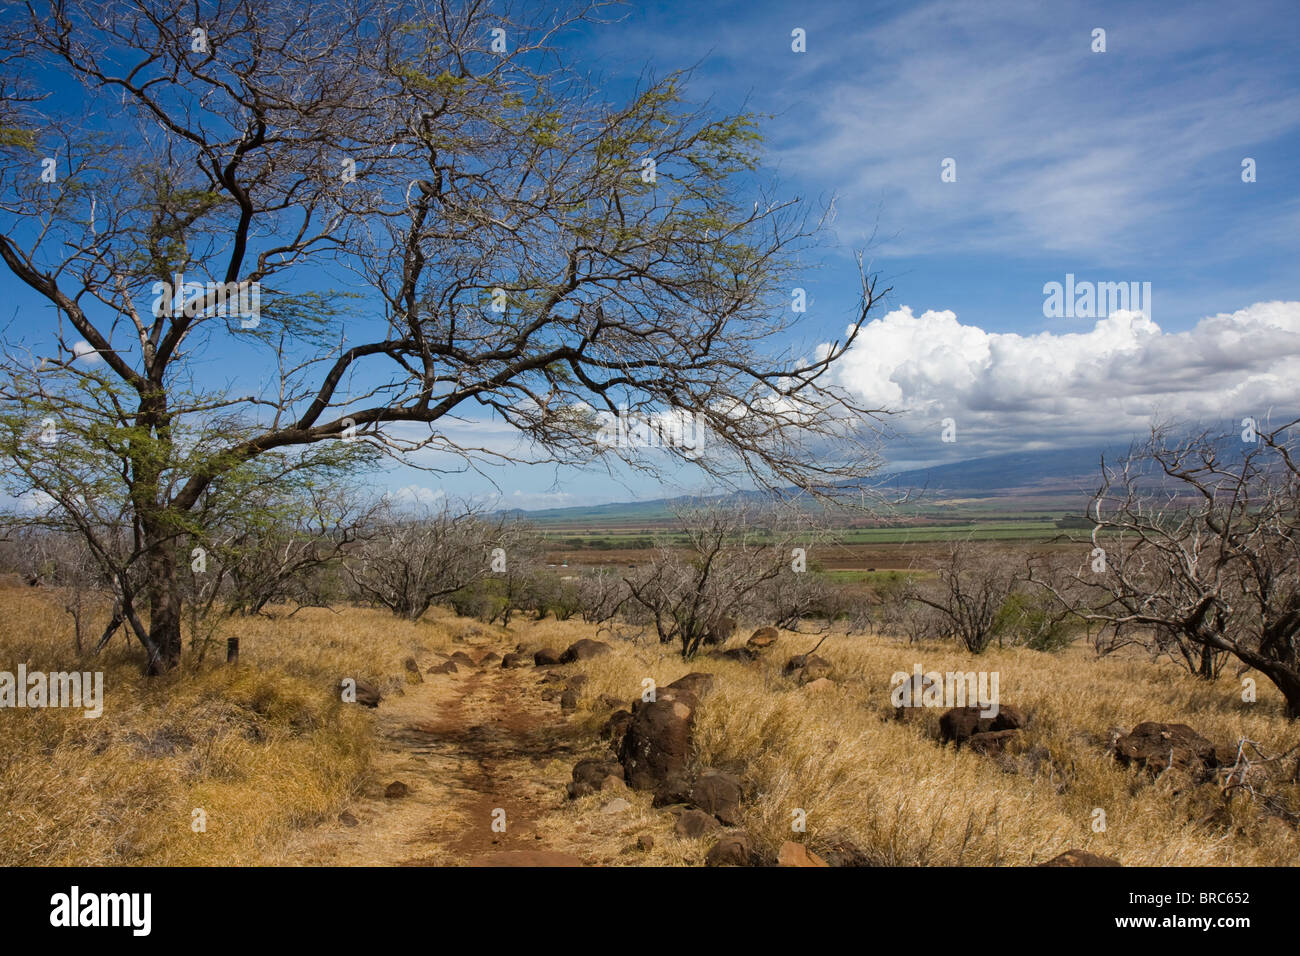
pixel 500 240
pixel 408 562
pixel 970 587
pixel 1197 540
pixel 732 552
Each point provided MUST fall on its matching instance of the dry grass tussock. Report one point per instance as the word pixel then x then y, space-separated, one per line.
pixel 891 789
pixel 267 749
pixel 263 748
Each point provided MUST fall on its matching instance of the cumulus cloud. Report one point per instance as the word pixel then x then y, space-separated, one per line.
pixel 1005 389
pixel 86 353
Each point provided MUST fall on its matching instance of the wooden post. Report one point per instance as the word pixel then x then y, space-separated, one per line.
pixel 232 650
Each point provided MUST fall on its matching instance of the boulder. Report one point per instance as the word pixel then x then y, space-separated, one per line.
pixel 491 657
pixel 720 630
pixel 796 854
pixel 674 790
pixel 1080 858
pixel 460 657
pixel 717 793
pixel 583 650
pixel 569 700
pixel 962 723
pixel 446 667
pixel 694 824
pixel 763 638
pixel 646 842
pixel 546 657
pixel 617 725
pixel 348 820
pixel 992 743
pixel 609 700
pixel 413 674
pixel 695 683
pixel 514 660
pixel 658 739
pixel 734 849
pixel 590 774
pixel 1157 747
pixel 841 851
pixel 806 668
pixel 396 790
pixel 367 693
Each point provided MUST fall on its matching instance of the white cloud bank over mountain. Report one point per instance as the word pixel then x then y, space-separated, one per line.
pixel 1005 390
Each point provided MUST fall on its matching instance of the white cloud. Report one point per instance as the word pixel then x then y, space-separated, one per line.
pixel 1004 389
pixel 86 353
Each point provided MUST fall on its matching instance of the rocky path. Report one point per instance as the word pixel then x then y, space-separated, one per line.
pixel 473 749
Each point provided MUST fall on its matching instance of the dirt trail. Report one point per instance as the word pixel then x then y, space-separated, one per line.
pixel 467 745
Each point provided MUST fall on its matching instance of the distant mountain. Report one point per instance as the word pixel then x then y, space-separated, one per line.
pixel 1064 475
pixel 1067 471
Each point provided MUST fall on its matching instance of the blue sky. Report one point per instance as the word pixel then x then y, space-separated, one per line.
pixel 1115 166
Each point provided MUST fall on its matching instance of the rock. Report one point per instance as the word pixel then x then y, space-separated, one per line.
pixel 1080 858
pixel 1157 747
pixel 763 638
pixel 614 784
pixel 717 793
pixel 694 683
pixel 553 677
pixel 584 649
pixel 734 849
pixel 446 667
pixel 796 854
pixel 576 681
pixel 806 668
pixel 413 674
pixel 396 790
pixel 348 820
pixel 367 693
pixel 820 685
pixel 646 842
pixel 840 851
pixel 514 660
pixel 694 824
pixel 593 771
pixel 962 723
pixel 460 657
pixel 992 743
pixel 491 657
pixel 550 693
pixel 617 805
pixel 546 657
pixel 658 739
pixel 720 630
pixel 569 700
pixel 609 700
pixel 617 725
pixel 741 655
pixel 674 790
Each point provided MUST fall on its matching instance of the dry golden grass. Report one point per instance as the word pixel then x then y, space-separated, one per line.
pixel 263 748
pixel 892 790
pixel 269 752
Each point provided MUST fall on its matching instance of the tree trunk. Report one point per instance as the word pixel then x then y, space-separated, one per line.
pixel 164 605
